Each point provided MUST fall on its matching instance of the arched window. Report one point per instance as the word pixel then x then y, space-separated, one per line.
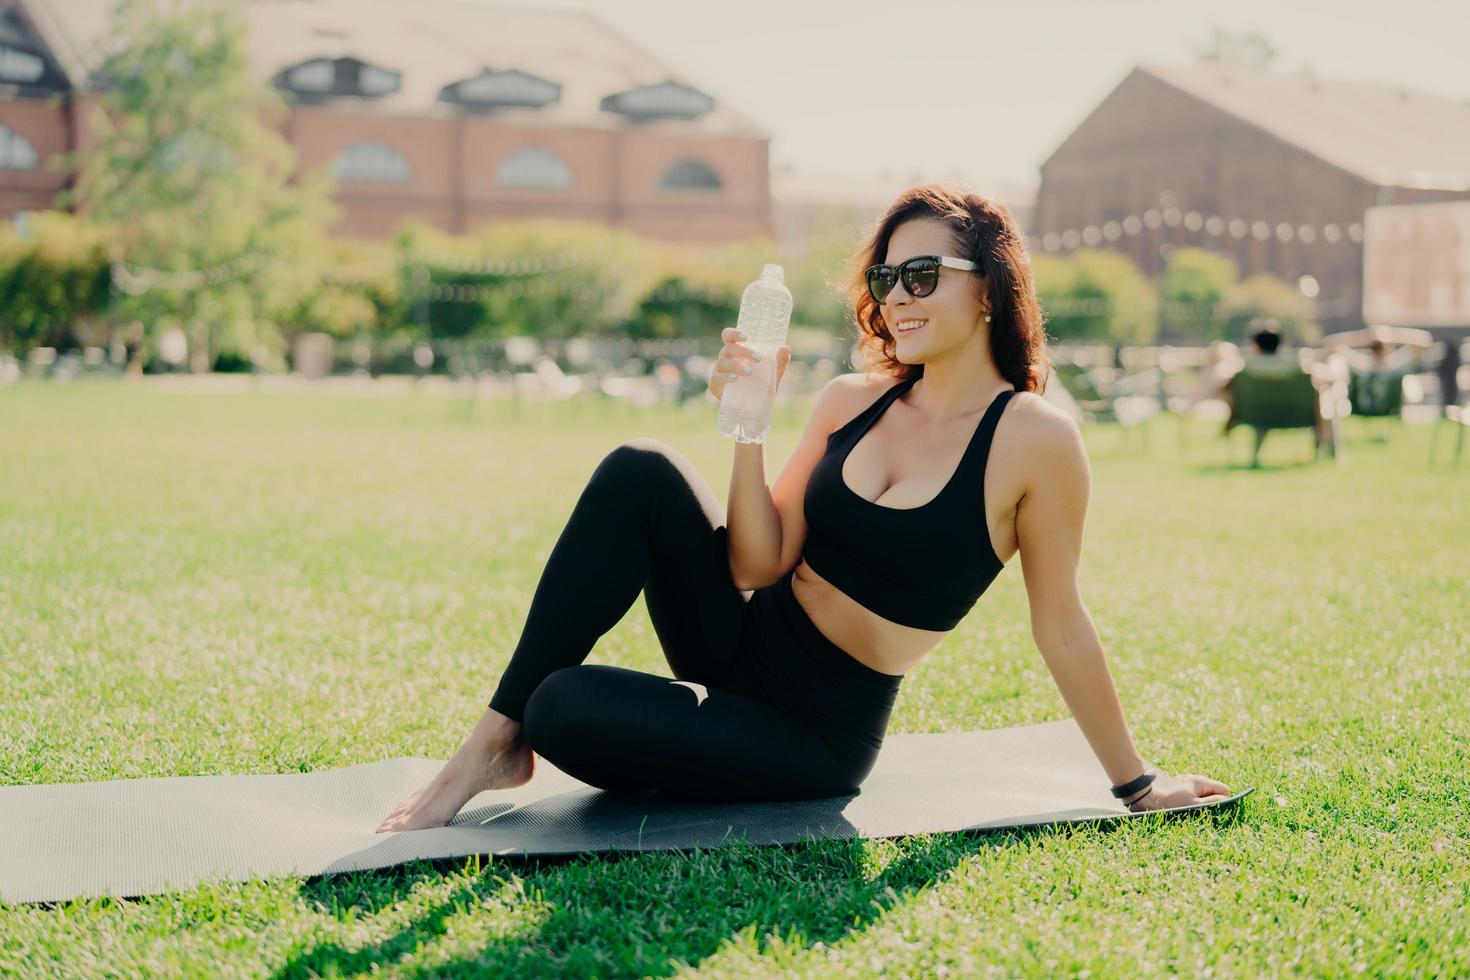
pixel 322 78
pixel 689 174
pixel 372 80
pixel 16 152
pixel 534 166
pixel 20 66
pixel 493 89
pixel 667 100
pixel 372 160
pixel 312 76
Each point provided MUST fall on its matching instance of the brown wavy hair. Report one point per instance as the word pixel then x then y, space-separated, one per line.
pixel 985 233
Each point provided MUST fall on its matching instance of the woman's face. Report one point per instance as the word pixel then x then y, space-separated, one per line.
pixel 953 310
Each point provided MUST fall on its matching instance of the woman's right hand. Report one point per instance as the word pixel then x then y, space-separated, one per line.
pixel 1175 791
pixel 735 361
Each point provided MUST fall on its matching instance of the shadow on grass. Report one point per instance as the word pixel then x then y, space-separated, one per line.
pixel 649 914
pixel 1232 467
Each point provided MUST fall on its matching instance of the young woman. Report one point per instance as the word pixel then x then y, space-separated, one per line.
pixel 789 622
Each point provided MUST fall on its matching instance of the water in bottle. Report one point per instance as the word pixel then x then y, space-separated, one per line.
pixel 765 316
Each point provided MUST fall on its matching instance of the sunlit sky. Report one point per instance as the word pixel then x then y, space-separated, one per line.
pixel 986 91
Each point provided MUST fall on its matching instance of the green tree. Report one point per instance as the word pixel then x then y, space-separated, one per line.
pixel 700 287
pixel 1265 295
pixel 817 275
pixel 1192 289
pixel 543 278
pixel 196 186
pixel 53 283
pixel 1095 294
pixel 358 294
pixel 677 308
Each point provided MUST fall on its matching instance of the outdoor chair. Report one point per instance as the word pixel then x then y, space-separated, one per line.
pixel 1377 394
pixel 1280 400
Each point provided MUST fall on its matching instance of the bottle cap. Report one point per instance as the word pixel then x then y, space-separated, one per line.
pixel 773 271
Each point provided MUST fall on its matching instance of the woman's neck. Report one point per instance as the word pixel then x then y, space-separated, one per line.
pixel 957 385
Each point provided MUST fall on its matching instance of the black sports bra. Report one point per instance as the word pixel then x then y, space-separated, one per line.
pixel 919 566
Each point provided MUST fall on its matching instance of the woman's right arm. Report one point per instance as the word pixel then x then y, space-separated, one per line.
pixel 753 527
pixel 751 518
pixel 766 525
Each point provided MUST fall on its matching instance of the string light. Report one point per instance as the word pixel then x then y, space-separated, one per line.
pixel 135 280
pixel 521 277
pixel 523 273
pixel 1173 309
pixel 1213 225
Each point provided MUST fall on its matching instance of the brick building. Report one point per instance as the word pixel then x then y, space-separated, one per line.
pixel 1274 170
pixel 456 113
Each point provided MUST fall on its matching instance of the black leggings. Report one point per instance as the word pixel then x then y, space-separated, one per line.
pixel 764 706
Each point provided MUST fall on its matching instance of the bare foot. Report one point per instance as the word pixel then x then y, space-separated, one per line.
pixel 475 768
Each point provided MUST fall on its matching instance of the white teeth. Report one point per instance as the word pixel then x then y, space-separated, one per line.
pixel 912 325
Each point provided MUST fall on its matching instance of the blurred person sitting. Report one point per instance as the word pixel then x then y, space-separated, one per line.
pixel 1266 358
pixel 1263 402
pixel 1265 353
pixel 1379 361
pixel 1381 349
pixel 1262 356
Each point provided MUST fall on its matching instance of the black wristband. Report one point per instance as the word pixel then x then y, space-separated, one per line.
pixel 1129 788
pixel 1131 802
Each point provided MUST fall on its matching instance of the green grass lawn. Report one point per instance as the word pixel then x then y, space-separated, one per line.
pixel 266 583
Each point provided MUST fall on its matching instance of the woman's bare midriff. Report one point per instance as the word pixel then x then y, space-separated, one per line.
pixel 885 646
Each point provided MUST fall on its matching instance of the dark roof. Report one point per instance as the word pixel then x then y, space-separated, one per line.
pixel 1387 134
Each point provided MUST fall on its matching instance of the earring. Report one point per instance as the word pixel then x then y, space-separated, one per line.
pixel 987 318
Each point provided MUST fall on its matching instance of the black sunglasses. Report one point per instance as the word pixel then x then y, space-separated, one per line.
pixel 919 274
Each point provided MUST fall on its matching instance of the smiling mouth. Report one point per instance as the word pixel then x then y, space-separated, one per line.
pixel 911 326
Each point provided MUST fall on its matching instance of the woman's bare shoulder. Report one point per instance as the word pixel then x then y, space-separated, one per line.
pixel 860 381
pixel 1044 428
pixel 845 396
pixel 1042 435
pixel 1040 418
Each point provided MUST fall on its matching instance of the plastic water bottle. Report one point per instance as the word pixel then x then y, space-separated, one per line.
pixel 765 315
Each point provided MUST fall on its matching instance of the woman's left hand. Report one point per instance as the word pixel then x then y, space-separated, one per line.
pixel 1168 792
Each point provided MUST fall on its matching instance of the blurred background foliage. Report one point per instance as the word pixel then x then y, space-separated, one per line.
pixel 187 218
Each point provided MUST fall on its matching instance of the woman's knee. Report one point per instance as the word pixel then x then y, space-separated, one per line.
pixel 544 715
pixel 639 462
pixel 558 708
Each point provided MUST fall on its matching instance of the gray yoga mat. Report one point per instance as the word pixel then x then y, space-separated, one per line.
pixel 128 837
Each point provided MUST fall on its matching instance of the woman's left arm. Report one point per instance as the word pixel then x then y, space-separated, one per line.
pixel 1049 521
